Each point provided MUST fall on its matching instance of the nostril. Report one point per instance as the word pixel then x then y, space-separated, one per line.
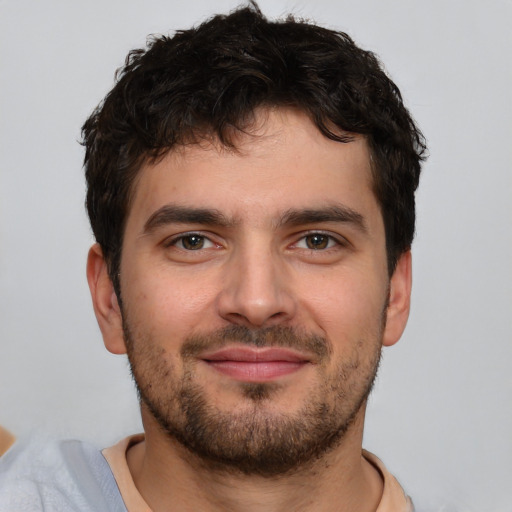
pixel 256 319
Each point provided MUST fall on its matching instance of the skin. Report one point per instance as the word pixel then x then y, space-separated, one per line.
pixel 6 440
pixel 257 270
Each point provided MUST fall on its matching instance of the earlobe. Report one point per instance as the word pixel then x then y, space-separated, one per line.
pixel 104 301
pixel 399 300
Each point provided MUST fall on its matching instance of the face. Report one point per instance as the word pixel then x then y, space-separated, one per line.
pixel 255 295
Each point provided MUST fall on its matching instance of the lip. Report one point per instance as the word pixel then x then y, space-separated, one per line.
pixel 255 365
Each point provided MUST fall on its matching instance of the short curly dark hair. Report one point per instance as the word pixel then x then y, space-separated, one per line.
pixel 209 80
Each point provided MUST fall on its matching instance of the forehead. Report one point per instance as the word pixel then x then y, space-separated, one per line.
pixel 281 162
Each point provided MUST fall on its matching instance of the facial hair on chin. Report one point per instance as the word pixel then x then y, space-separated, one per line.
pixel 253 441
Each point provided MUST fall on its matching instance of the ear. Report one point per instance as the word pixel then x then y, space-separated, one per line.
pixel 104 301
pixel 399 300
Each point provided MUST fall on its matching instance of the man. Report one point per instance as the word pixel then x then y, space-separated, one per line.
pixel 251 190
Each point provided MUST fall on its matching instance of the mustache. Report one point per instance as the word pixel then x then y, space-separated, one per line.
pixel 275 336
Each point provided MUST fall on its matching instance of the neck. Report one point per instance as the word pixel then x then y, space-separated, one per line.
pixel 164 472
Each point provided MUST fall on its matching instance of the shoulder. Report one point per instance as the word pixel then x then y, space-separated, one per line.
pixel 393 497
pixel 56 475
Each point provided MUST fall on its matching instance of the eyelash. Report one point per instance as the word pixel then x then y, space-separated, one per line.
pixel 174 241
pixel 332 241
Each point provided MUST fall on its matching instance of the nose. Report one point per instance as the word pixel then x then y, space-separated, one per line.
pixel 256 291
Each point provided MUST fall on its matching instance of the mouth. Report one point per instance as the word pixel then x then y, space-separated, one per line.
pixel 249 364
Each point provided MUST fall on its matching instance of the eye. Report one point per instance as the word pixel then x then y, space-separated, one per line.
pixel 317 242
pixel 191 242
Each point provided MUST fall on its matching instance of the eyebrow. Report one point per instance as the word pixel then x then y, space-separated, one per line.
pixel 335 213
pixel 174 214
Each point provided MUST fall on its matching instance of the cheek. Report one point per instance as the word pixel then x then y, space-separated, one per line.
pixel 168 308
pixel 347 309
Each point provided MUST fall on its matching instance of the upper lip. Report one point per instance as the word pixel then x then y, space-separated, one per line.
pixel 255 354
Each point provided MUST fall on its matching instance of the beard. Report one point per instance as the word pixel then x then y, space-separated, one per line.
pixel 254 439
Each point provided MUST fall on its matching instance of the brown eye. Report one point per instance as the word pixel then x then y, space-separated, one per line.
pixel 317 241
pixel 192 242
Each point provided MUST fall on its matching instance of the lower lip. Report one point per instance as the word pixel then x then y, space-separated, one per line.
pixel 256 371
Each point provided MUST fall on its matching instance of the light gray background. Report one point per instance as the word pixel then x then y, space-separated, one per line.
pixel 441 415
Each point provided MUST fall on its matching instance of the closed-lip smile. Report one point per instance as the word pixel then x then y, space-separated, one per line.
pixel 253 364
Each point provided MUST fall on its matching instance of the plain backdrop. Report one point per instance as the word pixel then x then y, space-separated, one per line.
pixel 441 414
